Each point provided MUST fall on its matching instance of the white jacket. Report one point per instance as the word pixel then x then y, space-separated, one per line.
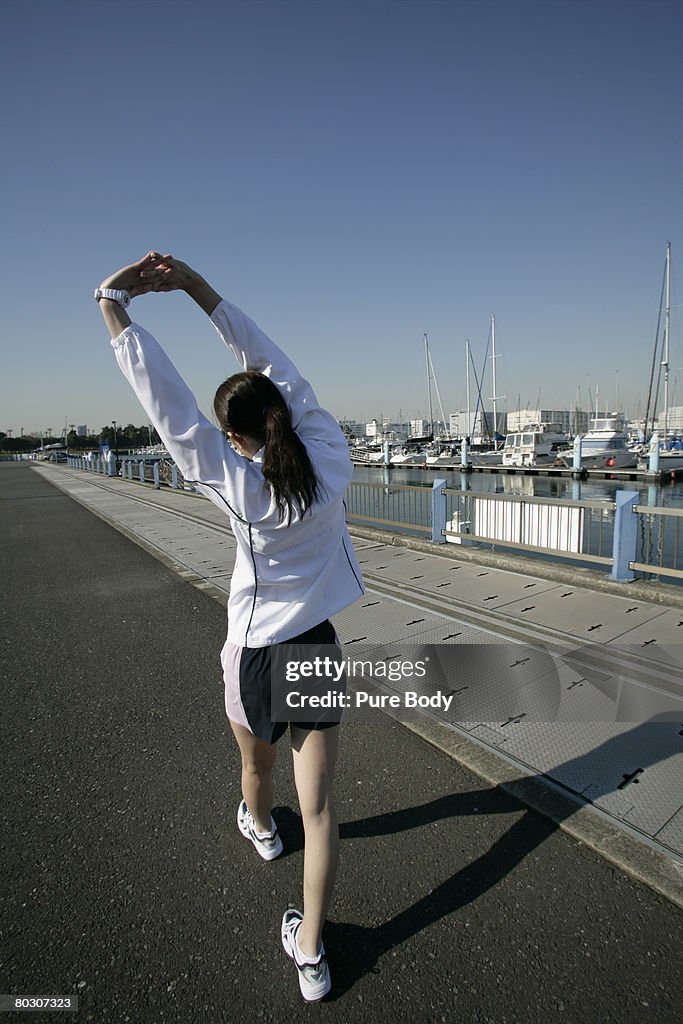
pixel 286 578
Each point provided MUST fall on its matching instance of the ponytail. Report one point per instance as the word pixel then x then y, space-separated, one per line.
pixel 286 465
pixel 250 404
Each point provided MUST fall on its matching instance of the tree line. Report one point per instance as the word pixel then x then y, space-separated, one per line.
pixel 129 436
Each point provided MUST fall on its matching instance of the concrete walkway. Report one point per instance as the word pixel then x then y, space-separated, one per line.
pixel 125 877
pixel 588 684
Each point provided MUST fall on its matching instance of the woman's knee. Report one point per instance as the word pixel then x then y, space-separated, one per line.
pixel 257 765
pixel 317 808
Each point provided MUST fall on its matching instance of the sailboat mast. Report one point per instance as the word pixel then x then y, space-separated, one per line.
pixel 469 431
pixel 495 395
pixel 429 386
pixel 665 362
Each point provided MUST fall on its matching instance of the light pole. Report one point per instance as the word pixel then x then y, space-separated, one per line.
pixel 116 446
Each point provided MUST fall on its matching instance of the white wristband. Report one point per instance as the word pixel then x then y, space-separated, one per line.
pixel 115 294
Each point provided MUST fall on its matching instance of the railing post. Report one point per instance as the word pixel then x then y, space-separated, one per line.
pixel 438 512
pixel 577 452
pixel 111 463
pixel 142 471
pixel 625 536
pixel 653 461
pixel 464 453
pixel 155 471
pixel 174 477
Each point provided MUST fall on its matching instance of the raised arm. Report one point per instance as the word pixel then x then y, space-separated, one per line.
pixel 254 350
pixel 200 449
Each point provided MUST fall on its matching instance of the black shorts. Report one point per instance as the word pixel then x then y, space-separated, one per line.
pixel 256 683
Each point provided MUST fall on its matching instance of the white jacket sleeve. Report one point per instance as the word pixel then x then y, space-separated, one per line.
pixel 254 350
pixel 200 450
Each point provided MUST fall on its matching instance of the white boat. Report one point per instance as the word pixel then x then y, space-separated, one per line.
pixel 366 454
pixel 671 459
pixel 537 444
pixel 407 456
pixel 486 457
pixel 444 454
pixel 604 446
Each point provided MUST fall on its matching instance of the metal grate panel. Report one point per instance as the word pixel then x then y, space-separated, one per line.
pixel 583 613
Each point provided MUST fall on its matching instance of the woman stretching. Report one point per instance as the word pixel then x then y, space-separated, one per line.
pixel 278 466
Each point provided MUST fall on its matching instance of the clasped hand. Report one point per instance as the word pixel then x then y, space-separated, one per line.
pixel 153 273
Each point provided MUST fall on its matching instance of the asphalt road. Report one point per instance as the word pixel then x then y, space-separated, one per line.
pixel 125 880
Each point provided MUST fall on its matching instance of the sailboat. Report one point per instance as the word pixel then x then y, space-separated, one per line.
pixel 415 451
pixel 670 448
pixel 490 454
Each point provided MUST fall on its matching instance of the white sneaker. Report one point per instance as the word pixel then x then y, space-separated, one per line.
pixel 314 974
pixel 268 844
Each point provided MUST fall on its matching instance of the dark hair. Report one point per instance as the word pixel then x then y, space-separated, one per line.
pixel 250 404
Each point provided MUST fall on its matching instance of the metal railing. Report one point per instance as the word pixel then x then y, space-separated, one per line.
pixel 578 530
pixel 661 543
pixel 131 467
pixel 406 506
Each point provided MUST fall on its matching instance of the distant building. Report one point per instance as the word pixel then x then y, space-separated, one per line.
pixel 481 425
pixel 82 431
pixel 419 428
pixel 570 421
pixel 352 428
pixel 674 420
pixel 386 429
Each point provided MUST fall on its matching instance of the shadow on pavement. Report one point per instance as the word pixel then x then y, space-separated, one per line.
pixel 356 950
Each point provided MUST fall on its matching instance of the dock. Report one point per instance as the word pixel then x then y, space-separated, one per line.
pixel 662 476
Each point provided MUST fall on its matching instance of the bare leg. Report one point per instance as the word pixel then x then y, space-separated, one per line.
pixel 258 758
pixel 315 757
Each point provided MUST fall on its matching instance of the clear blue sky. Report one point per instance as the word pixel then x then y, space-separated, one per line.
pixel 352 175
